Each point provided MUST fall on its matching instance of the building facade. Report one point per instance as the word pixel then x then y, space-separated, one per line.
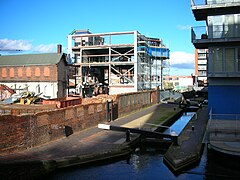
pixel 38 73
pixel 178 83
pixel 221 37
pixel 201 67
pixel 116 62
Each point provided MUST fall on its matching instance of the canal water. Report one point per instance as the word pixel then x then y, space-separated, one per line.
pixel 179 124
pixel 147 163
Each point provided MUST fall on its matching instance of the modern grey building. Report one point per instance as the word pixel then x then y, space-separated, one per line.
pixel 221 36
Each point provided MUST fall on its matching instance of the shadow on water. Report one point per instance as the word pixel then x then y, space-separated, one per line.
pixel 146 162
pixel 14 171
pixel 222 166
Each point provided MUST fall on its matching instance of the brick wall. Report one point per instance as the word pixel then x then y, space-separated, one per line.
pixel 20 132
pixel 29 73
pixel 134 101
pixel 26 131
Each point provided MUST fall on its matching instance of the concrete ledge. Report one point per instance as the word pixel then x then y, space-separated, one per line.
pixel 92 158
pixel 190 144
pixel 124 149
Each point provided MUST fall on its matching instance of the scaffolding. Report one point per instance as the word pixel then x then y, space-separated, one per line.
pixel 116 62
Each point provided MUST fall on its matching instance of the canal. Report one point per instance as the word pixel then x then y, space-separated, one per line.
pixel 147 163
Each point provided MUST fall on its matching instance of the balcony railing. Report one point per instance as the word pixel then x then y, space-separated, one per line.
pixel 216 32
pixel 199 32
pixel 212 2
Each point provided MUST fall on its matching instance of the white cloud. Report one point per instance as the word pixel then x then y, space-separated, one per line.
pixel 12 46
pixel 8 44
pixel 184 27
pixel 182 60
pixel 42 48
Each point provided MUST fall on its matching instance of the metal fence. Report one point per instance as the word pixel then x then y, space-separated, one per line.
pixel 165 95
pixel 223 127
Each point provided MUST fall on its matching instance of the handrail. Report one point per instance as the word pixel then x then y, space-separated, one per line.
pixel 215 32
pixel 221 125
pixel 235 116
pixel 212 2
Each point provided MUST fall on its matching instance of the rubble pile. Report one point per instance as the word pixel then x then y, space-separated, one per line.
pixel 102 98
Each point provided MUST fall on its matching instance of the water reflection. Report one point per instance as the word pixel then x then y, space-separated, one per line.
pixel 179 124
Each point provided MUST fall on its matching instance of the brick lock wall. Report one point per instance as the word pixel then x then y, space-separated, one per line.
pixel 14 132
pixel 25 131
pixel 130 102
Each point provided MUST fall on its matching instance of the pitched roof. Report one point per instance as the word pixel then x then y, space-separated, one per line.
pixel 30 59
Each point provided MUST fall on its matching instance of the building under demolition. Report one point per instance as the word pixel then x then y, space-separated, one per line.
pixel 116 62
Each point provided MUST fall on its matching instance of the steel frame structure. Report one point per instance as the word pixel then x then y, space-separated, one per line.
pixel 117 61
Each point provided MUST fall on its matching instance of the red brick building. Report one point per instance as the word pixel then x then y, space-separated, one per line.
pixel 39 73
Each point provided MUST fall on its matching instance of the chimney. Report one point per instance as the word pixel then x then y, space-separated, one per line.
pixel 59 48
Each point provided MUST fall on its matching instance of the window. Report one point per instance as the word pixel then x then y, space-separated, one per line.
pixel 26 87
pixel 20 72
pixel 4 72
pixel 11 72
pixel 217 59
pixel 202 56
pixel 230 57
pixel 226 60
pixel 45 89
pixel 37 71
pixel 28 72
pixel 38 88
pixel 238 59
pixel 46 71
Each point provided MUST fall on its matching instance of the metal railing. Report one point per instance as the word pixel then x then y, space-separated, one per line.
pixel 215 32
pixel 199 32
pixel 222 127
pixel 212 2
pixel 165 95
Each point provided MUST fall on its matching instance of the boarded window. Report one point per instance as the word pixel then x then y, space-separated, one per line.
pixel 37 71
pixel 20 72
pixel 4 72
pixel 28 72
pixel 11 72
pixel 46 71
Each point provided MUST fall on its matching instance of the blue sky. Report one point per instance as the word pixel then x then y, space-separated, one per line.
pixel 38 26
